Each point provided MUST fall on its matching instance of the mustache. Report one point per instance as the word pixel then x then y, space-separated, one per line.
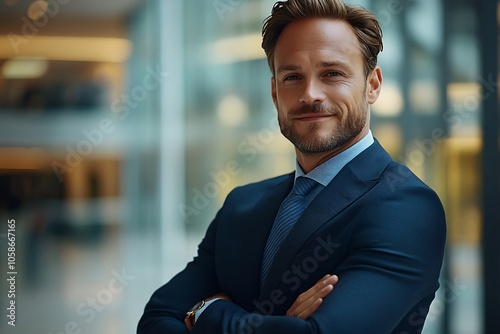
pixel 313 109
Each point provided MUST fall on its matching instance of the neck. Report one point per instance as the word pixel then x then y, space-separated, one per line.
pixel 309 161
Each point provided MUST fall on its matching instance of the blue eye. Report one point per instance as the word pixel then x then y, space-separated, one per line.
pixel 291 77
pixel 333 74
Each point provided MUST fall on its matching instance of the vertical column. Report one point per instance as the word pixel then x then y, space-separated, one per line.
pixel 488 36
pixel 444 80
pixel 172 133
pixel 407 117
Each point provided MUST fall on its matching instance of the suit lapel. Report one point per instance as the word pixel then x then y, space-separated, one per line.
pixel 354 180
pixel 256 233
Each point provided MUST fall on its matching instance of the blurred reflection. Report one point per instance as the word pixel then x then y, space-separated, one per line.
pixel 390 102
pixel 41 85
pixel 37 9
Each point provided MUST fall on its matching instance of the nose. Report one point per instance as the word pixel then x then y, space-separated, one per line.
pixel 312 93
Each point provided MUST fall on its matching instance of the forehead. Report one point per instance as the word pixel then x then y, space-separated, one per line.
pixel 318 39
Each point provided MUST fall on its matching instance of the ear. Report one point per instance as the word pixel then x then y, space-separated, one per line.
pixel 374 85
pixel 273 92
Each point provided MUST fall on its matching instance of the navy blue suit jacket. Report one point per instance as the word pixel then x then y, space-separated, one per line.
pixel 376 225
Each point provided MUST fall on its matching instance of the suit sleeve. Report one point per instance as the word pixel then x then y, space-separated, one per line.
pixel 167 307
pixel 393 263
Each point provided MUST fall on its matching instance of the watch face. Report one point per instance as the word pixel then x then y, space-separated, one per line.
pixel 196 306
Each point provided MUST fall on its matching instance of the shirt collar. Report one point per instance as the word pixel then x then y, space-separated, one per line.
pixel 325 172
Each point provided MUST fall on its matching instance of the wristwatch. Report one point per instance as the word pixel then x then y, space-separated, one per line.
pixel 189 319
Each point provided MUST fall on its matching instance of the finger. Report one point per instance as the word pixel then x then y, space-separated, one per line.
pixel 310 310
pixel 300 304
pixel 318 289
pixel 312 301
pixel 315 288
pixel 333 279
pixel 311 296
pixel 304 299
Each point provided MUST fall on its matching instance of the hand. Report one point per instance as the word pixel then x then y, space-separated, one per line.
pixel 308 302
pixel 220 295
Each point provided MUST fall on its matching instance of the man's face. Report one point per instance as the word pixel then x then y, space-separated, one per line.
pixel 319 86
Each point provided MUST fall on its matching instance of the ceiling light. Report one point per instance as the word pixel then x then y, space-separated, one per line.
pixel 241 48
pixel 98 49
pixel 24 68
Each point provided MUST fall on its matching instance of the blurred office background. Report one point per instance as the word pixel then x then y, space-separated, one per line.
pixel 125 123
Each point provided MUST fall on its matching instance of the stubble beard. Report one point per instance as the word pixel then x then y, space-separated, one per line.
pixel 313 142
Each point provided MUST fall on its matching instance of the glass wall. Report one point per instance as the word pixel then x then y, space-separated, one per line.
pixel 64 154
pixel 232 132
pixel 463 150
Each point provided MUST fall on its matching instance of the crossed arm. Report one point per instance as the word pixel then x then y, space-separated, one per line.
pixel 372 294
pixel 166 310
pixel 307 302
pixel 388 278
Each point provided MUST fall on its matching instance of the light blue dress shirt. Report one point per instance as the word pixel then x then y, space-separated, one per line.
pixel 325 172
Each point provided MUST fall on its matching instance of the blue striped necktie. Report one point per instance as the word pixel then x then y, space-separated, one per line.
pixel 288 214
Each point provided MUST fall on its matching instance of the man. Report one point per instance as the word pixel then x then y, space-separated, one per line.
pixel 356 245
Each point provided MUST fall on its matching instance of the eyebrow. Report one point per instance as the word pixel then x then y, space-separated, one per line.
pixel 332 63
pixel 284 68
pixel 320 64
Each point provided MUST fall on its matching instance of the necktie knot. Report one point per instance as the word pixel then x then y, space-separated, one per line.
pixel 303 185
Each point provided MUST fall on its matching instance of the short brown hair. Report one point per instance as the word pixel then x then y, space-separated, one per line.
pixel 363 22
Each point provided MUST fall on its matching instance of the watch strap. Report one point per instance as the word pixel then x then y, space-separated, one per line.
pixel 189 320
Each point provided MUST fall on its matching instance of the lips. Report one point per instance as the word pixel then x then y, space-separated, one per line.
pixel 313 117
